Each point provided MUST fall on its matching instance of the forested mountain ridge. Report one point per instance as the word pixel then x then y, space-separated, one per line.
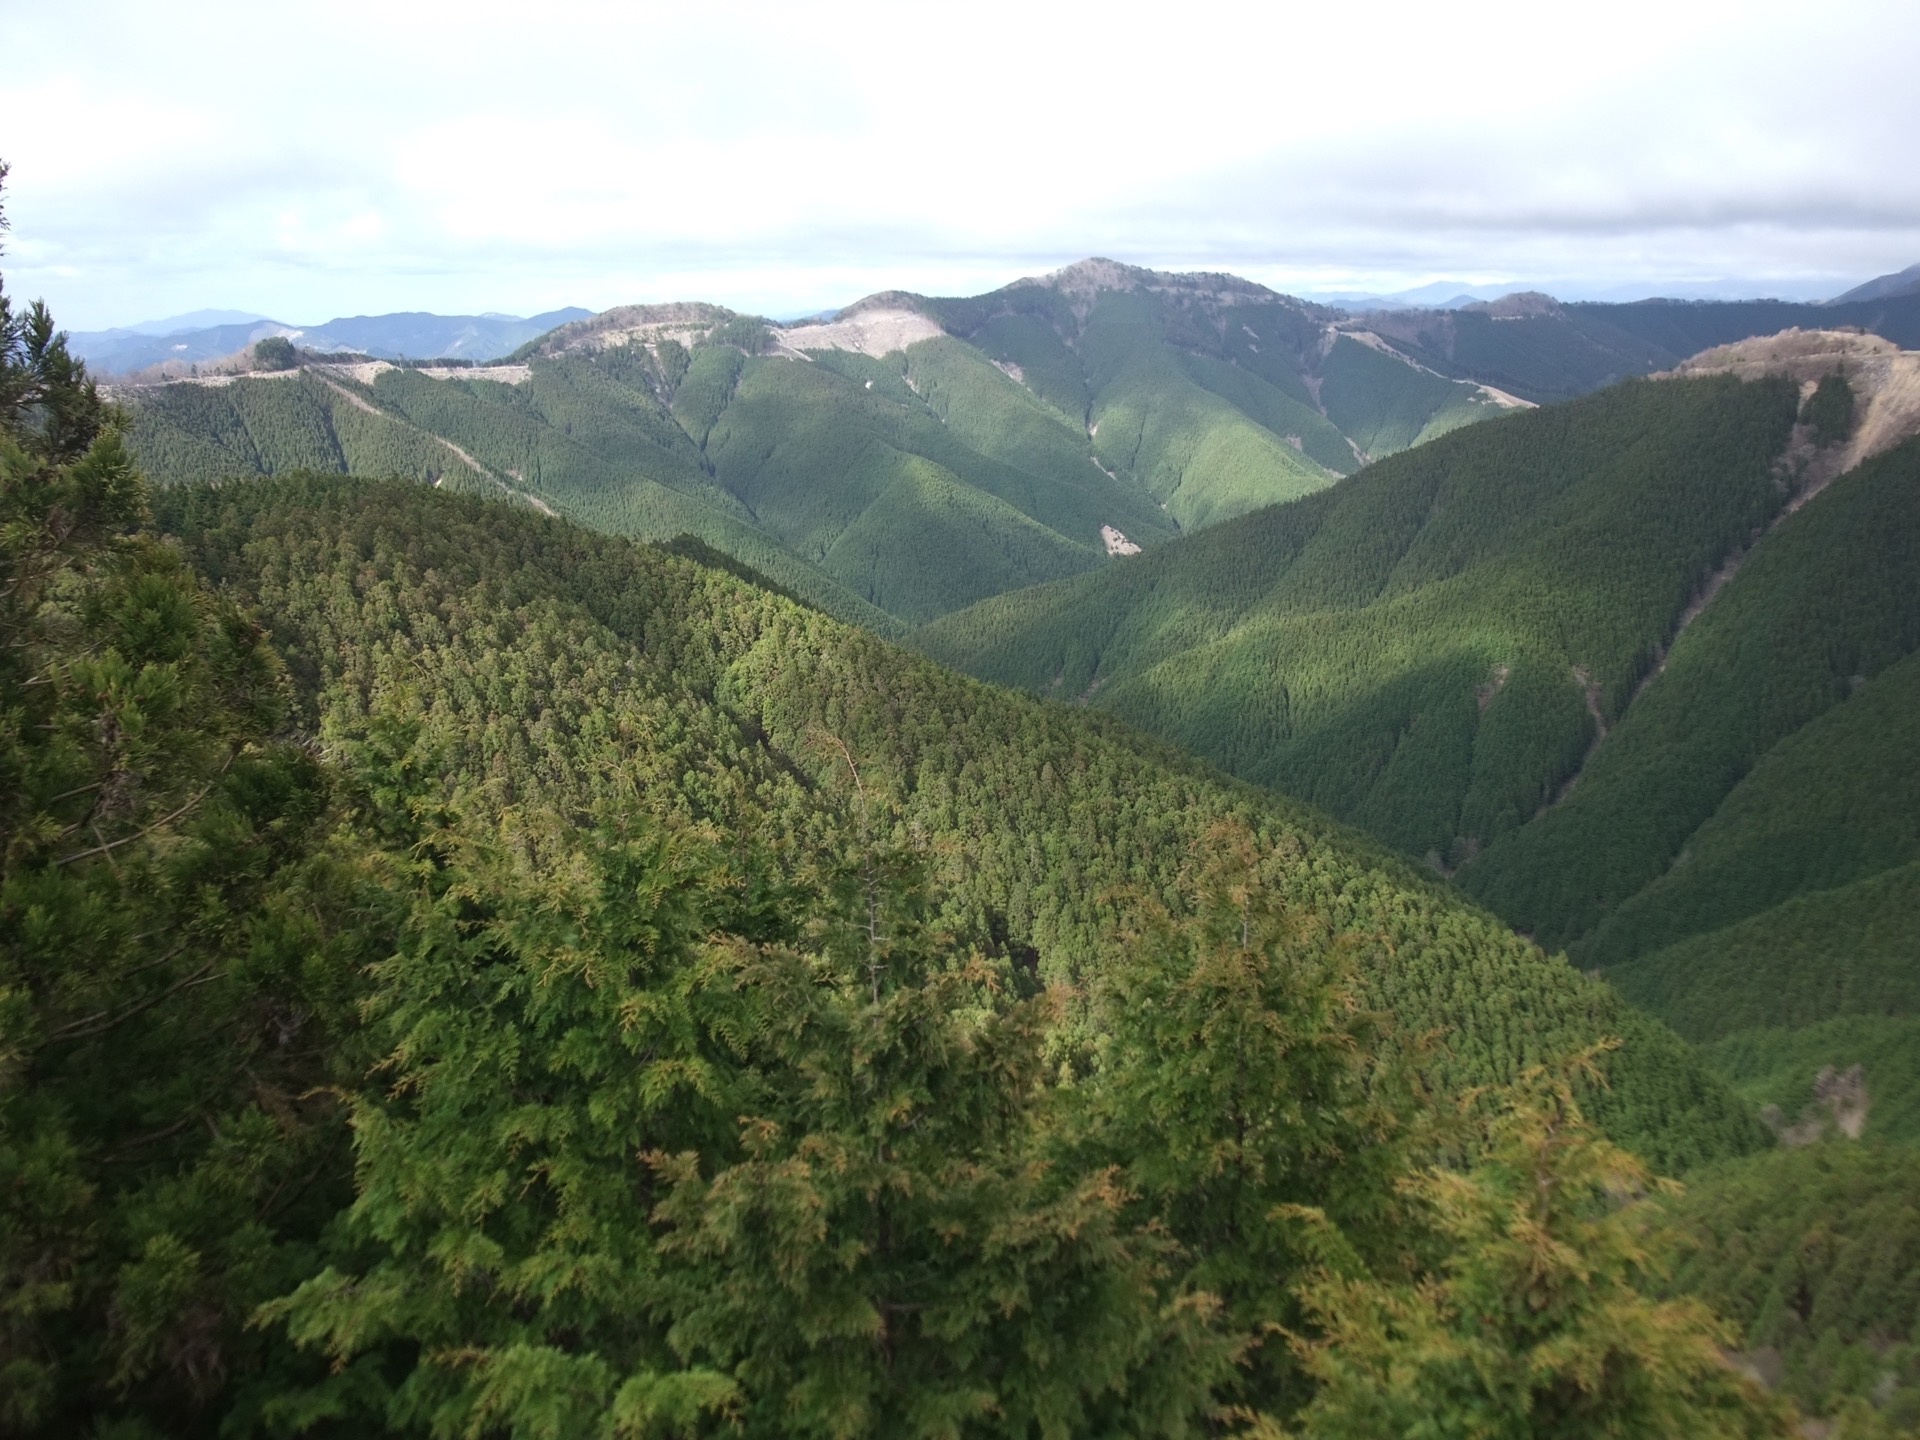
pixel 913 455
pixel 1808 625
pixel 1402 648
pixel 783 698
pixel 557 761
pixel 1726 823
pixel 474 434
pixel 903 459
pixel 1549 559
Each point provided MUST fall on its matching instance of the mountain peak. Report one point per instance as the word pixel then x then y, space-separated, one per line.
pixel 1094 274
pixel 1522 304
pixel 883 300
pixel 1884 378
pixel 1085 278
pixel 1886 287
pixel 676 319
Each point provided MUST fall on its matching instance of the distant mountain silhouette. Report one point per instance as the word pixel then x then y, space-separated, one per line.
pixel 409 334
pixel 1886 287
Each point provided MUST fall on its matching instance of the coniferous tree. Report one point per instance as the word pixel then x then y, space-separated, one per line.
pixel 165 990
pixel 1241 1075
pixel 623 1174
pixel 1536 1320
pixel 894 1251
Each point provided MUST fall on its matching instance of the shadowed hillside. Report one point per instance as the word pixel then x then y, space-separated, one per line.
pixel 1423 649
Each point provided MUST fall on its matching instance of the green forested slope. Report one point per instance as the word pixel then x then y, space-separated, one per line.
pixel 1374 399
pixel 1836 801
pixel 1732 838
pixel 1815 1252
pixel 1788 931
pixel 863 504
pixel 1852 950
pixel 462 974
pixel 581 990
pixel 987 410
pixel 1216 395
pixel 1033 814
pixel 1826 603
pixel 1738 852
pixel 1199 456
pixel 1099 396
pixel 876 490
pixel 1278 405
pixel 263 426
pixel 1410 649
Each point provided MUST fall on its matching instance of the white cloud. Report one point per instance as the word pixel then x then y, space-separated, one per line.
pixel 311 160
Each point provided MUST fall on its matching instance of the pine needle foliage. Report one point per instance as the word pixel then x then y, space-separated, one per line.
pixel 1240 1074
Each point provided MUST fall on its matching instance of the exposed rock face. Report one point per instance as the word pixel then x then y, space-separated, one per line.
pixel 684 321
pixel 870 330
pixel 1885 379
pixel 1840 1105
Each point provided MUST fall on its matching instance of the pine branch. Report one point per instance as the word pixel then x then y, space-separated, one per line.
pixel 138 834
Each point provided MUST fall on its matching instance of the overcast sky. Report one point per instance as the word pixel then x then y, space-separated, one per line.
pixel 308 161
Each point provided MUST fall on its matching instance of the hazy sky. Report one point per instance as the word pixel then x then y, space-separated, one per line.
pixel 308 161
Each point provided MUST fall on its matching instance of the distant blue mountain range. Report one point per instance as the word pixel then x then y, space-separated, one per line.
pixel 213 334
pixel 1440 295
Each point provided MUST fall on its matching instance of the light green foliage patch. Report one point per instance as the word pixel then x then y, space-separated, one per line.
pixel 1537 1321
pixel 1195 453
pixel 998 417
pixel 877 493
pixel 1292 418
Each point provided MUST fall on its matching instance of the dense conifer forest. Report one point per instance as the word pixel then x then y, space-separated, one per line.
pixel 465 973
pixel 1609 667
pixel 1410 649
